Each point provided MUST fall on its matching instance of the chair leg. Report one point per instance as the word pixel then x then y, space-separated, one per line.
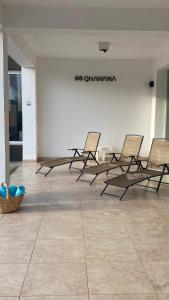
pixel 159 183
pixel 70 165
pixel 85 163
pixel 76 153
pixel 128 169
pixel 48 172
pixel 104 190
pixel 123 194
pixel 79 176
pixel 94 179
pixel 120 198
pixel 94 158
pixel 96 161
pixel 140 166
pixel 38 170
pixel 161 177
pixel 167 169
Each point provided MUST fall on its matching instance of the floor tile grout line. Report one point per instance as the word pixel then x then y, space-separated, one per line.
pixel 84 250
pixel 149 278
pixel 158 296
pixel 30 260
pixel 2 217
pixel 77 295
pixel 136 293
pixel 141 261
pixel 124 223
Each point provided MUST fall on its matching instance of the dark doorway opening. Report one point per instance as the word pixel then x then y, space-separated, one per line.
pixel 15 110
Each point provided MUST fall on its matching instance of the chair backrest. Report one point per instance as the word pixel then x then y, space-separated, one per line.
pixel 132 145
pixel 159 153
pixel 92 141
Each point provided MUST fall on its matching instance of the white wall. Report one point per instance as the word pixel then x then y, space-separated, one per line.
pixel 67 109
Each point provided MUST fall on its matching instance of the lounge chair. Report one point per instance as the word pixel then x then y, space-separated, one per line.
pixel 157 166
pixel 127 157
pixel 84 155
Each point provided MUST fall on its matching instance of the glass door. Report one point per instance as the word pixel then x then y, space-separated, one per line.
pixel 15 106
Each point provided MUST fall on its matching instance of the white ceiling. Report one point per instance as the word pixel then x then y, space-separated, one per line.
pixel 84 44
pixel 95 3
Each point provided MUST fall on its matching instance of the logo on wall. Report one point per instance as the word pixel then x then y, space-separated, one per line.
pixel 95 78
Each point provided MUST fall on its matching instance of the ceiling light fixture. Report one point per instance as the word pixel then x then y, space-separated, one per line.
pixel 104 46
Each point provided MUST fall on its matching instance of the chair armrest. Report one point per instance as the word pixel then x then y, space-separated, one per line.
pixel 113 153
pixel 74 149
pixel 162 165
pixel 89 151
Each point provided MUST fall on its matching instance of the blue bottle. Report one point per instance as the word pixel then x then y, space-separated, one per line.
pixel 20 191
pixel 3 191
pixel 12 190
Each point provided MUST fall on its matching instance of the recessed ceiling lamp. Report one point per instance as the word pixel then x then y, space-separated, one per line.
pixel 104 46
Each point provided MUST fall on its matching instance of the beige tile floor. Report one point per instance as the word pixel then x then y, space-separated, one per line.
pixel 68 243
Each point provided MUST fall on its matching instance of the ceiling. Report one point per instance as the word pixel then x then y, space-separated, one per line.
pixel 95 3
pixel 84 44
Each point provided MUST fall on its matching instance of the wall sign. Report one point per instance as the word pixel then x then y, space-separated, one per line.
pixel 95 78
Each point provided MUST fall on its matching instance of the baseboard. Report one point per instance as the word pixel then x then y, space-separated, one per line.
pixel 29 160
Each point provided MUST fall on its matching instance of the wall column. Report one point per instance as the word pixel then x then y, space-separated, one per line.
pixel 4 110
pixel 161 103
pixel 29 111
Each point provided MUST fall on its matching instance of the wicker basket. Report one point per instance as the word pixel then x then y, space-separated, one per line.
pixel 10 204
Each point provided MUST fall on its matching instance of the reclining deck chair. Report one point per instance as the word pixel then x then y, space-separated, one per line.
pixel 127 157
pixel 157 166
pixel 84 155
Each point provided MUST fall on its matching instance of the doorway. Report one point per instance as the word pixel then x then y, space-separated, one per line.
pixel 15 110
